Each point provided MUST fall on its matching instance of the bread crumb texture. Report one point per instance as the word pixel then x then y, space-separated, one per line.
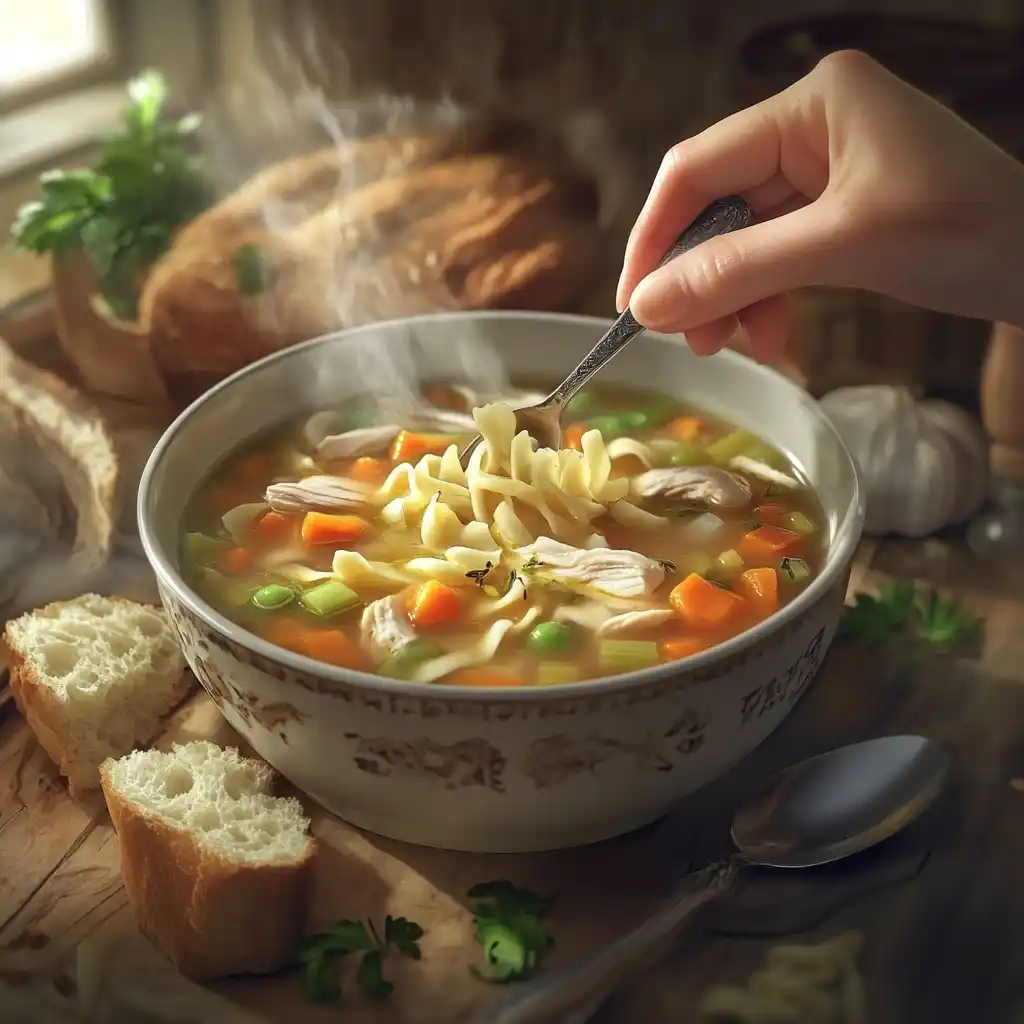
pixel 221 800
pixel 94 676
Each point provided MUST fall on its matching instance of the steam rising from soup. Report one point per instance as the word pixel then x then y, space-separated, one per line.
pixel 356 538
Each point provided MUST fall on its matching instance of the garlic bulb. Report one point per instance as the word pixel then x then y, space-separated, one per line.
pixel 924 464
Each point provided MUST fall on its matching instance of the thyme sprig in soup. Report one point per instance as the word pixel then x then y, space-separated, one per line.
pixel 357 539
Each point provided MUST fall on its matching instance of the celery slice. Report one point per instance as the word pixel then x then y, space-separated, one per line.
pixel 797 522
pixel 627 655
pixel 795 570
pixel 329 598
pixel 555 673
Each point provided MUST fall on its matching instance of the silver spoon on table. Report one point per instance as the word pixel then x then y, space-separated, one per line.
pixel 813 813
pixel 543 421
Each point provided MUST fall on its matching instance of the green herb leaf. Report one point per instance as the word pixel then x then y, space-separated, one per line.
pixel 404 935
pixel 370 976
pixel 319 983
pixel 318 953
pixel 942 622
pixel 937 621
pixel 509 927
pixel 123 212
pixel 251 269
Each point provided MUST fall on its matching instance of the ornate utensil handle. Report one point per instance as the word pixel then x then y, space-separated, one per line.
pixel 554 997
pixel 720 217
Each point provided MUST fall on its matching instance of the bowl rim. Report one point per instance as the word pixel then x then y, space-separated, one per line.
pixel 839 553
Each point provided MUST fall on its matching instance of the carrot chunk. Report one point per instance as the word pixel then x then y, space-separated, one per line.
pixel 767 514
pixel 572 437
pixel 761 589
pixel 369 470
pixel 434 604
pixel 686 428
pixel 482 677
pixel 410 446
pixel 333 647
pixel 704 606
pixel 327 528
pixel 273 528
pixel 767 544
pixel 676 647
pixel 234 560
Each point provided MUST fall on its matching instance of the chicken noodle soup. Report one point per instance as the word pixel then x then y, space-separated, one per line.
pixel 355 538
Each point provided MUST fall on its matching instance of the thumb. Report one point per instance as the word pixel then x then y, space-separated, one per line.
pixel 725 275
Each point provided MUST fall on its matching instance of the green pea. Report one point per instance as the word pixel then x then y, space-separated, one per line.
pixel 635 420
pixel 273 596
pixel 583 404
pixel 610 427
pixel 551 637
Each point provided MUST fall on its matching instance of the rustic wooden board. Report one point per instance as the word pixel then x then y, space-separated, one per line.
pixel 940 908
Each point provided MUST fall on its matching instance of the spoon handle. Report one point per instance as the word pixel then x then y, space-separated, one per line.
pixel 555 996
pixel 721 216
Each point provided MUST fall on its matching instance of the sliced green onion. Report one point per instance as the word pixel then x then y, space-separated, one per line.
pixel 627 655
pixel 403 662
pixel 688 453
pixel 797 522
pixel 555 673
pixel 731 445
pixel 201 549
pixel 273 596
pixel 551 637
pixel 796 570
pixel 329 598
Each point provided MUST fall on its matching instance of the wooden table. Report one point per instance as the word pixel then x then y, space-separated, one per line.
pixel 941 908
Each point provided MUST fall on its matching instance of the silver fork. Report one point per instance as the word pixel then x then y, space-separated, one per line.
pixel 543 421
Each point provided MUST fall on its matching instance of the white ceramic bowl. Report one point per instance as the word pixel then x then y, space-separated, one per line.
pixel 477 769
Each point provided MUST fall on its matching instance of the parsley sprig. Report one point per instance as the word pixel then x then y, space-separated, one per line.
pixel 319 954
pixel 900 605
pixel 123 212
pixel 512 930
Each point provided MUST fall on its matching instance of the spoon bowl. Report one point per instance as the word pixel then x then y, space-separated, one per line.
pixel 818 811
pixel 543 421
pixel 840 803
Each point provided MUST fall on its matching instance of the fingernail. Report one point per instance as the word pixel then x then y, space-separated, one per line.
pixel 655 300
pixel 621 301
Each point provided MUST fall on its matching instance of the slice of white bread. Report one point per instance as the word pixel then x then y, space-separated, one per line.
pixel 217 869
pixel 93 677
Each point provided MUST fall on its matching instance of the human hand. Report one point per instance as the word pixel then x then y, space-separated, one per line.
pixel 856 179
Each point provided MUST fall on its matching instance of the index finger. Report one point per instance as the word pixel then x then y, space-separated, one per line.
pixel 731 157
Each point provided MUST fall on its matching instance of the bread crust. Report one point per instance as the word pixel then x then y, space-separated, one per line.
pixel 211 917
pixel 47 716
pixel 426 225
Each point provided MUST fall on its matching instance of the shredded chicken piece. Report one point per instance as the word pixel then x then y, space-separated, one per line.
pixel 707 485
pixel 384 627
pixel 362 441
pixel 763 472
pixel 620 573
pixel 320 494
pixel 635 622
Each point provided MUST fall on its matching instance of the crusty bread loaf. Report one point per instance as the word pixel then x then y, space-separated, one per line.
pixel 93 677
pixel 438 229
pixel 216 868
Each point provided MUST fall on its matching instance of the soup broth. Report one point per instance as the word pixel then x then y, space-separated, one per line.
pixel 354 537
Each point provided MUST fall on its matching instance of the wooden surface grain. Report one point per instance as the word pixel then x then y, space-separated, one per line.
pixel 940 908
